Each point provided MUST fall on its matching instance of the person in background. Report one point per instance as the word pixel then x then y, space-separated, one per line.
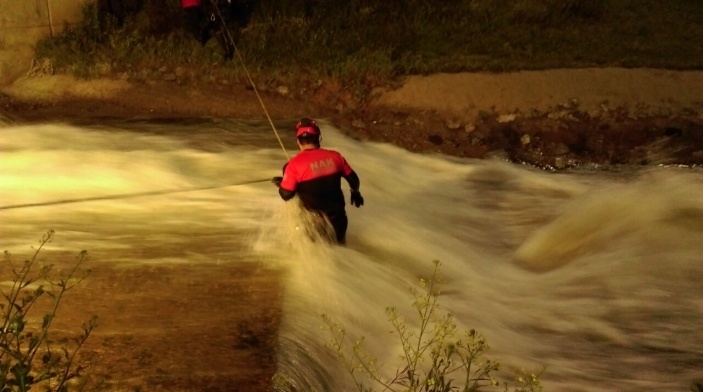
pixel 116 12
pixel 203 21
pixel 196 20
pixel 315 175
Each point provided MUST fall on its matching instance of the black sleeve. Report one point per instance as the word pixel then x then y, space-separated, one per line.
pixel 285 194
pixel 353 180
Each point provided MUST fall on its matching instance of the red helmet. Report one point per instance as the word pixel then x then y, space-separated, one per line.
pixel 306 126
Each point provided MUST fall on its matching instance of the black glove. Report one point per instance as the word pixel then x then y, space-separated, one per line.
pixel 277 181
pixel 356 199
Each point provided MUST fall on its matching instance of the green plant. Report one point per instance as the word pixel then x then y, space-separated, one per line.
pixel 27 356
pixel 434 359
pixel 372 40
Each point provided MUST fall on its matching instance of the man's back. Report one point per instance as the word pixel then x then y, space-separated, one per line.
pixel 315 175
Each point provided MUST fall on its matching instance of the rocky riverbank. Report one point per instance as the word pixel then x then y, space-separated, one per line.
pixel 597 117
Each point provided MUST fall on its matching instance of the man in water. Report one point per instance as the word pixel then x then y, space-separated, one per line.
pixel 315 175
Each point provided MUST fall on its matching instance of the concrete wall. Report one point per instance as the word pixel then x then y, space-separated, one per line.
pixel 23 23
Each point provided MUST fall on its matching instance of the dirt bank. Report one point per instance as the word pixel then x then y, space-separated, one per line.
pixel 551 119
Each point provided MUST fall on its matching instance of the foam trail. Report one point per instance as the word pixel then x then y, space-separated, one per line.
pixel 606 214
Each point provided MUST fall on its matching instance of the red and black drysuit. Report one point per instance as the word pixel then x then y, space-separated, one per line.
pixel 315 176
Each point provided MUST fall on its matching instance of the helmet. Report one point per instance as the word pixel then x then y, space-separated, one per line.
pixel 306 127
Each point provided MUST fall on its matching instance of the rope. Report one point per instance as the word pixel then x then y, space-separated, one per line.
pixel 166 192
pixel 246 71
pixel 127 196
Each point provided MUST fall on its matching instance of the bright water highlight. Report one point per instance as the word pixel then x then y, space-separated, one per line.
pixel 595 275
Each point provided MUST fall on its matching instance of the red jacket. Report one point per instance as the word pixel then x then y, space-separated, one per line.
pixel 315 175
pixel 190 3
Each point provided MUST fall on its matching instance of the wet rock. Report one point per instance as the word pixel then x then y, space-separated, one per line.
pixel 452 124
pixel 673 131
pixel 506 118
pixel 571 104
pixel 283 90
pixel 356 123
pixel 435 139
pixel 562 115
pixel 525 139
pixel 484 115
pixel 498 154
pixel 558 149
pixel 534 113
pixel 533 156
pixel 559 163
pixel 418 122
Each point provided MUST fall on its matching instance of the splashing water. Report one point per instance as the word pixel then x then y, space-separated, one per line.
pixel 595 275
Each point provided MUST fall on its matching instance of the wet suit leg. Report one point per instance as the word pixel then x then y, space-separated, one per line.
pixel 324 223
pixel 220 31
pixel 339 222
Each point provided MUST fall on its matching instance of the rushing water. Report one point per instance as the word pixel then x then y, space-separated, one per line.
pixel 595 275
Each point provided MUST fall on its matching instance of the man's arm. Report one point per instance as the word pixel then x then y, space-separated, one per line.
pixel 288 180
pixel 353 180
pixel 285 193
pixel 356 199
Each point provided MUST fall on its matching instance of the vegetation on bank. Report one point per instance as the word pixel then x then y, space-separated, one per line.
pixel 369 41
pixel 30 355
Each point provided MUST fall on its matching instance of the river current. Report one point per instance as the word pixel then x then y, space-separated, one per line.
pixel 594 274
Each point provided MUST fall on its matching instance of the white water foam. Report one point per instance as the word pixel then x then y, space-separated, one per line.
pixel 594 275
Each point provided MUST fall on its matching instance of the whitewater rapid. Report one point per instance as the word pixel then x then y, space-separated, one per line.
pixel 595 275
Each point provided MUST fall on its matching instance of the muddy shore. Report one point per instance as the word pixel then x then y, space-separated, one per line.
pixel 600 127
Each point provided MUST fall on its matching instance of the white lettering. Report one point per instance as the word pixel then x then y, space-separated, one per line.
pixel 318 166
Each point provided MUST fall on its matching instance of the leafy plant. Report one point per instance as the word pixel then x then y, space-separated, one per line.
pixel 27 356
pixel 434 359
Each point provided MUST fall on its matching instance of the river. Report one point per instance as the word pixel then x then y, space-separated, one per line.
pixel 594 274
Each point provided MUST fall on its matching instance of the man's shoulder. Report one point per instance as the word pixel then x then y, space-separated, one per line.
pixel 306 157
pixel 327 151
pixel 316 153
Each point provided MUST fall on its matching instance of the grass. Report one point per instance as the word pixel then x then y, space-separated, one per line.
pixel 367 41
